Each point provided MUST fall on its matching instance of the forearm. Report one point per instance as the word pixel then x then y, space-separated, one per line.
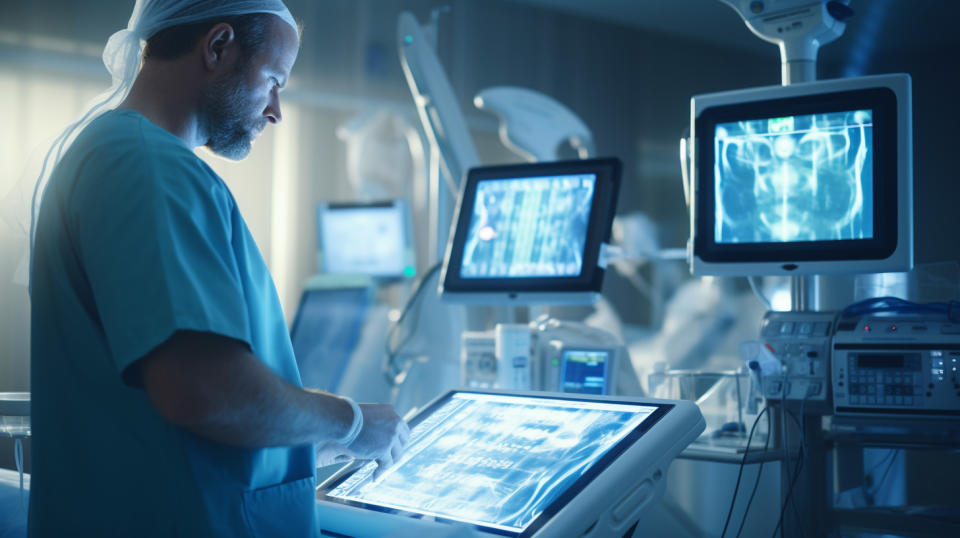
pixel 224 393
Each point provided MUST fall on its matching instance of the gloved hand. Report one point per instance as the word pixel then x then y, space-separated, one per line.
pixel 382 438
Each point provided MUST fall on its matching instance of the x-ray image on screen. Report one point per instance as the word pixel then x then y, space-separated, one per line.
pixel 495 460
pixel 528 227
pixel 795 178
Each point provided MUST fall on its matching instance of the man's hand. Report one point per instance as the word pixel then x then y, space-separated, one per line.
pixel 383 437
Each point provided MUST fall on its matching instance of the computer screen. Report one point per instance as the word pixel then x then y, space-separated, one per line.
pixel 806 179
pixel 534 228
pixel 325 333
pixel 584 371
pixel 365 238
pixel 500 461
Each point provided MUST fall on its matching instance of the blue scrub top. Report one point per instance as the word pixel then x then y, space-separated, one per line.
pixel 137 238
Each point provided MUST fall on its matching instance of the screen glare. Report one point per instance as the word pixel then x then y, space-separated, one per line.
pixel 528 227
pixel 795 178
pixel 494 460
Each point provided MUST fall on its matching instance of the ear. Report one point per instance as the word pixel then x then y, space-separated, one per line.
pixel 215 43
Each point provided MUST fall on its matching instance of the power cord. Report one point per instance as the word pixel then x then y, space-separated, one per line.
pixel 756 483
pixel 743 462
pixel 392 372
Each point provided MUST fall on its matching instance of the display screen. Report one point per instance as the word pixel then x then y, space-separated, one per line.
pixel 496 461
pixel 528 227
pixel 794 178
pixel 364 239
pixel 584 372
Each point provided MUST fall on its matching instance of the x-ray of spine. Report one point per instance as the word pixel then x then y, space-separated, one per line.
pixel 797 178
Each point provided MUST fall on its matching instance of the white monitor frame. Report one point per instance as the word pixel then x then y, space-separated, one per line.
pixel 610 501
pixel 793 259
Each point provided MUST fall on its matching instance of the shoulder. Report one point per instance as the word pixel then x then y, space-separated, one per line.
pixel 122 151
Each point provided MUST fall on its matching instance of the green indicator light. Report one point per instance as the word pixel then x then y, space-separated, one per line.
pixel 408 39
pixel 409 271
pixel 556 362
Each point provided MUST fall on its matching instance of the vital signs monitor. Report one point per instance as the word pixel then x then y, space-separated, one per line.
pixel 532 233
pixel 517 464
pixel 809 178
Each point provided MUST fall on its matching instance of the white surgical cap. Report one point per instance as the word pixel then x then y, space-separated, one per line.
pixel 124 50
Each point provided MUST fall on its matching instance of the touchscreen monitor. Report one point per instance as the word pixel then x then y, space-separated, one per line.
pixel 504 463
pixel 532 233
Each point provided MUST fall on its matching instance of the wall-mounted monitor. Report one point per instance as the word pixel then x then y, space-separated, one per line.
pixel 532 233
pixel 812 178
pixel 372 239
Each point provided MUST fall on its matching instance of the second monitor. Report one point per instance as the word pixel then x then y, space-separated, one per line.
pixel 532 233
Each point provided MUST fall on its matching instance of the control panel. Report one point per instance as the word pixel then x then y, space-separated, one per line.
pixel 802 341
pixel 896 366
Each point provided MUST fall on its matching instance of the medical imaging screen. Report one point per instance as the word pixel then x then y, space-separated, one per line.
pixel 584 372
pixel 795 178
pixel 495 460
pixel 366 240
pixel 528 227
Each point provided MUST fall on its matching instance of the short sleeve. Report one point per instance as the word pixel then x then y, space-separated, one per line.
pixel 152 231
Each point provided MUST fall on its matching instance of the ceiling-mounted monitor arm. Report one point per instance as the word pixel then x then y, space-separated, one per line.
pixel 798 27
pixel 442 119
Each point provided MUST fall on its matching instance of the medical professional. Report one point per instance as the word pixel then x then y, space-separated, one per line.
pixel 165 396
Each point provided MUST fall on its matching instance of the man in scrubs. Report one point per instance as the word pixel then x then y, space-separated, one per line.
pixel 166 398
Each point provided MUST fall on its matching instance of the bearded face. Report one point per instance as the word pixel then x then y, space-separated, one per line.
pixel 231 116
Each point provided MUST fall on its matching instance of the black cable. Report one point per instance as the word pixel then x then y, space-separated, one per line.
pixel 796 475
pixel 391 352
pixel 878 485
pixel 743 462
pixel 756 483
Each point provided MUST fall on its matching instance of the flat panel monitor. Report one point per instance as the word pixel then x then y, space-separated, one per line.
pixel 325 332
pixel 812 178
pixel 371 239
pixel 532 233
pixel 509 463
pixel 585 371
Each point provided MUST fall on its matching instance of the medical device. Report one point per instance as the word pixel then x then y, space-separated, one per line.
pixel 800 342
pixel 898 365
pixel 812 178
pixel 798 27
pixel 534 125
pixel 516 464
pixel 532 233
pixel 372 239
pixel 548 355
pixel 326 331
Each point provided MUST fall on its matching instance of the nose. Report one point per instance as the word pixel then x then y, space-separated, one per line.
pixel 272 112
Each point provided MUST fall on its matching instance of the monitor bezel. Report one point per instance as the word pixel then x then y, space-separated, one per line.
pixel 891 249
pixel 590 281
pixel 882 103
pixel 551 510
pixel 397 204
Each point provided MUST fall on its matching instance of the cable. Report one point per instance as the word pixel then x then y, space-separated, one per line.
pixel 878 485
pixel 756 483
pixel 759 293
pixel 389 368
pixel 743 462
pixel 793 480
pixel 950 309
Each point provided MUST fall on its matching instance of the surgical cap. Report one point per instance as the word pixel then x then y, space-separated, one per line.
pixel 122 57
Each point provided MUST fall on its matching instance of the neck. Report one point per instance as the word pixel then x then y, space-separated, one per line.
pixel 166 96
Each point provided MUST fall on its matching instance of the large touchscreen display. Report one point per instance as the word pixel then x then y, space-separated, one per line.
pixel 495 460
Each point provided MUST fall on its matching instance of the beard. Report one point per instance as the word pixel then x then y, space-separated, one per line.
pixel 227 119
